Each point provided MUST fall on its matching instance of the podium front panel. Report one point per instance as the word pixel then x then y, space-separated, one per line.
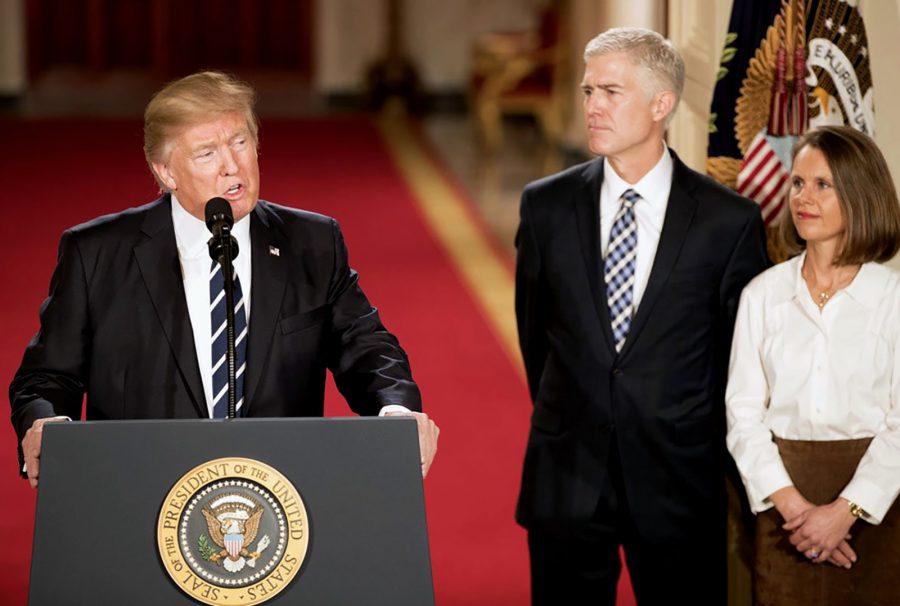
pixel 103 485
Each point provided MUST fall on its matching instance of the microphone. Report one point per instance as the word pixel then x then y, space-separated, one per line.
pixel 223 248
pixel 219 220
pixel 218 215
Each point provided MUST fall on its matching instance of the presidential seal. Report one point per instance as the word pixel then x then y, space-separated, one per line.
pixel 233 531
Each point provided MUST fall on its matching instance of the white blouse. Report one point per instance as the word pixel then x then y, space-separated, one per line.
pixel 804 374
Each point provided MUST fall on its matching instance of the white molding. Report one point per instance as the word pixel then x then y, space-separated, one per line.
pixel 697 28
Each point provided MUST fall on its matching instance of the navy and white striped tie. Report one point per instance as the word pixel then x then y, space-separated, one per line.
pixel 618 268
pixel 219 342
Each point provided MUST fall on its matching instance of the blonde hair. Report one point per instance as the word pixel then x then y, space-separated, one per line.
pixel 192 100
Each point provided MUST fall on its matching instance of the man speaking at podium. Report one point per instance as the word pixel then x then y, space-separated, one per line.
pixel 135 313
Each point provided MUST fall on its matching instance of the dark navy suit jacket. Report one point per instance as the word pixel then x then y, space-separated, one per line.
pixel 662 396
pixel 116 327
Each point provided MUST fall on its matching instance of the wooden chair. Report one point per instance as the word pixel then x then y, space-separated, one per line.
pixel 521 73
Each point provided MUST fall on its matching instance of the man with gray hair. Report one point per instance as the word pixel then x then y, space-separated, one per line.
pixel 628 274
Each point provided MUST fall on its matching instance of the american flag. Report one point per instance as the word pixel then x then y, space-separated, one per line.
pixel 763 178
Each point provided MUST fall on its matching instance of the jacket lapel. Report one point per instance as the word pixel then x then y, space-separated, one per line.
pixel 587 218
pixel 679 214
pixel 270 250
pixel 157 258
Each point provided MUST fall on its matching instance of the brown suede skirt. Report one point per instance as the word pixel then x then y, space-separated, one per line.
pixel 784 576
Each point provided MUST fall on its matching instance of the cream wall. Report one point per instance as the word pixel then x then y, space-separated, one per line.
pixel 882 19
pixel 698 28
pixel 350 35
pixel 12 47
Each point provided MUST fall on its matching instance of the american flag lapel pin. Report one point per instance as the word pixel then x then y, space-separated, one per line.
pixel 274 251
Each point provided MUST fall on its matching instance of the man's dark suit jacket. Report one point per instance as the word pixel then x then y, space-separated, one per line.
pixel 116 325
pixel 662 396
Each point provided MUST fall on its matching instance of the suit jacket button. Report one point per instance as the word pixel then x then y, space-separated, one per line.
pixel 616 372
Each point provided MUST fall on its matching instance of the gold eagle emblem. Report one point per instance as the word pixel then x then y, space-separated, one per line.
pixel 233 523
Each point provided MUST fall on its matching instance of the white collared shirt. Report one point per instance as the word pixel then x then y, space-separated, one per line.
pixel 649 212
pixel 802 374
pixel 191 236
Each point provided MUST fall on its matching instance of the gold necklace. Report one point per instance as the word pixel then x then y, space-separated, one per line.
pixel 824 295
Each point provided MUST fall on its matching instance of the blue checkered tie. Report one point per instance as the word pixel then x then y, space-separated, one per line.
pixel 219 342
pixel 618 268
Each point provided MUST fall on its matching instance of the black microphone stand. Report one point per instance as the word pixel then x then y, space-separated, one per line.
pixel 223 248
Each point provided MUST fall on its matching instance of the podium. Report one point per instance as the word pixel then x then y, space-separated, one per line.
pixel 245 511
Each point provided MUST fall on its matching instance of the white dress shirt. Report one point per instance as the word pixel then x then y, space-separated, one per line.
pixel 649 212
pixel 191 236
pixel 804 374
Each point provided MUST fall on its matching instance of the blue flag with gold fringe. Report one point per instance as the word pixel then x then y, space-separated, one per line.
pixel 787 66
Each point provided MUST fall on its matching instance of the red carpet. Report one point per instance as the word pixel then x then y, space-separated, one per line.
pixel 65 172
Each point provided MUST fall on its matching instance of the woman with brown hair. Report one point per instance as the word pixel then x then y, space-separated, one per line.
pixel 813 400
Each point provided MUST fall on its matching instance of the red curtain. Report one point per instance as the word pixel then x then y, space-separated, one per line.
pixel 170 38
